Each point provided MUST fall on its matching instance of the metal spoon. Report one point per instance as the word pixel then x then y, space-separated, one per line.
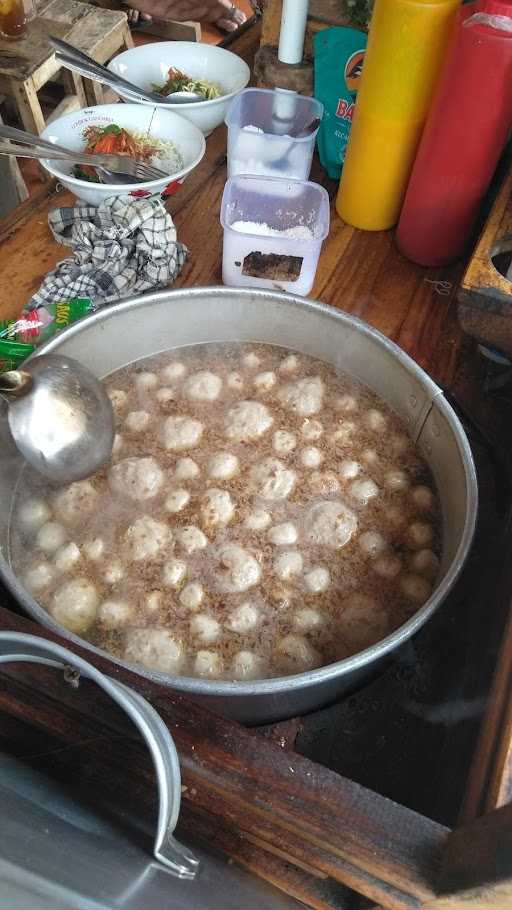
pixel 313 125
pixel 60 417
pixel 81 63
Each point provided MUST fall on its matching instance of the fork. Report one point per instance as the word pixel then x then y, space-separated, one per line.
pixel 116 168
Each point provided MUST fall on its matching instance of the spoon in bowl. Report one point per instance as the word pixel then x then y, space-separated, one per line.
pixel 60 417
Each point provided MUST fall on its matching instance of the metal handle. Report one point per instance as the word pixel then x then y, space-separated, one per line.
pixel 16 647
pixel 79 62
pixel 15 383
pixel 112 162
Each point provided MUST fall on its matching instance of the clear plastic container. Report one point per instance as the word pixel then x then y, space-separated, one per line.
pixel 273 232
pixel 259 122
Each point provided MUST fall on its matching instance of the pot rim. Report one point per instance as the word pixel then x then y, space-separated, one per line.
pixel 282 684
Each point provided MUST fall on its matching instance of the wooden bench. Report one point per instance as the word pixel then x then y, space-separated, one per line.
pixel 29 63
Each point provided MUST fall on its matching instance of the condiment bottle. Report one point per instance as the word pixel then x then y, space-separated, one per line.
pixel 406 47
pixel 465 134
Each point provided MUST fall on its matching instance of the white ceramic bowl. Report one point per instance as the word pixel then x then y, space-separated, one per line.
pixel 149 64
pixel 69 132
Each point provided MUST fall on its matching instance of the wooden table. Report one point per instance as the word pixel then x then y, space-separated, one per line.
pixel 274 806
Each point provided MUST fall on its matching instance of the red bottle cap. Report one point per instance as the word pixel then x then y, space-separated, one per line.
pixel 495 7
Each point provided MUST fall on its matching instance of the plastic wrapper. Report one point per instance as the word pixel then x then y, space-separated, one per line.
pixel 20 337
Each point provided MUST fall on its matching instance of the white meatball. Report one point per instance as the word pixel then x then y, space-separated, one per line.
pixel 283 535
pixel 251 361
pixel 203 386
pixel 50 537
pixel 375 420
pixel 317 580
pixel 311 457
pixel 426 563
pixel 75 502
pixel 205 628
pixel 346 403
pixel 174 371
pixel 349 469
pixel 113 573
pixel 299 653
pixel 330 524
pixel 289 364
pixel 264 382
pixel 217 509
pixel 153 602
pixel 180 433
pixel 245 618
pixel 174 572
pixel 33 514
pixel 423 498
pixel 115 613
pixel 323 483
pixel 94 549
pixel 399 444
pixel 176 500
pixel 235 382
pixel 38 576
pixel 396 480
pixel 155 648
pixel 186 469
pixel 288 564
pixel 364 621
pixel 119 400
pixel 284 442
pixel 146 381
pixel 364 490
pixel 396 517
pixel 223 466
pixel 191 538
pixel 165 395
pixel 258 520
pixel 247 666
pixel 372 543
pixel 307 620
pixel 192 595
pixel 387 566
pixel 237 570
pixel 415 588
pixel 208 664
pixel 137 421
pixel 304 396
pixel 75 604
pixel 247 420
pixel 271 479
pixel 138 479
pixel 146 538
pixel 66 557
pixel 370 458
pixel 311 429
pixel 344 434
pixel 419 535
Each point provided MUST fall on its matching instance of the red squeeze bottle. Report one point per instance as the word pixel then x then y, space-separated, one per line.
pixel 464 136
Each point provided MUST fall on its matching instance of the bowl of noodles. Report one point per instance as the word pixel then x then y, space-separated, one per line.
pixel 159 137
pixel 169 66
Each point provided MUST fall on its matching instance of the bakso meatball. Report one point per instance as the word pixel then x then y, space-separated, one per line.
pixel 247 420
pixel 303 396
pixel 75 605
pixel 138 479
pixel 157 648
pixel 330 524
pixel 74 503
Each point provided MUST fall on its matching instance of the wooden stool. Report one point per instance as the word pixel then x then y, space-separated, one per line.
pixel 26 65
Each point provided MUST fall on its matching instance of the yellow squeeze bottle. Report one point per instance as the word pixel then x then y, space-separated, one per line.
pixel 406 46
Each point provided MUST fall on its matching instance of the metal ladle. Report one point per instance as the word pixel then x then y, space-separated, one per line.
pixel 60 417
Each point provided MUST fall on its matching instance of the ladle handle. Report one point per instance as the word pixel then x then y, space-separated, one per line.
pixel 15 383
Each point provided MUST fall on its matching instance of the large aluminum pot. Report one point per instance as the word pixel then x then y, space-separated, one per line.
pixel 147 325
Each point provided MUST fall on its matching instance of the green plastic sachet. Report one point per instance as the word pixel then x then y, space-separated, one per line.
pixel 339 55
pixel 20 337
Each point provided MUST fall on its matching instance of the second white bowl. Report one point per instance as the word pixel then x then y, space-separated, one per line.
pixel 149 64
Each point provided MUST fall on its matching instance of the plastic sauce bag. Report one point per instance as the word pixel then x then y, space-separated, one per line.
pixel 20 337
pixel 339 55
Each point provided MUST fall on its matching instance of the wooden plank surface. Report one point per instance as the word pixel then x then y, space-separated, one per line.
pixel 291 806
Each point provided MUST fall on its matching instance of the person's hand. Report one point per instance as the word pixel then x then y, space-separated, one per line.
pixel 222 13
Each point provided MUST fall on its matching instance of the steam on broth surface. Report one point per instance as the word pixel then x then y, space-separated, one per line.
pixel 263 514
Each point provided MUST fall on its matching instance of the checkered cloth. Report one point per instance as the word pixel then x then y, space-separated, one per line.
pixel 122 247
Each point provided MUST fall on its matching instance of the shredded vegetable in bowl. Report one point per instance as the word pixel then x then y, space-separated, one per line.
pixel 180 82
pixel 115 140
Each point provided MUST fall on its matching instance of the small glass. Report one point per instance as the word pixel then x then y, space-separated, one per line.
pixel 14 15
